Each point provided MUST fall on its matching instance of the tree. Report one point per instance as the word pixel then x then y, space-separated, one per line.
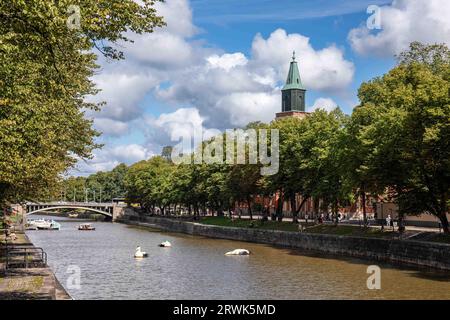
pixel 44 80
pixel 410 131
pixel 167 153
pixel 319 155
pixel 288 181
pixel 355 155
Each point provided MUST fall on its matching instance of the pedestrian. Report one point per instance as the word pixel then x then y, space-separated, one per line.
pixel 388 220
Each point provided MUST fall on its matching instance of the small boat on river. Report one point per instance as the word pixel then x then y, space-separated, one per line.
pixel 238 252
pixel 165 244
pixel 140 254
pixel 42 224
pixel 86 227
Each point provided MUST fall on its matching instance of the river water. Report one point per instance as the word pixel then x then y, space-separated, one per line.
pixel 196 268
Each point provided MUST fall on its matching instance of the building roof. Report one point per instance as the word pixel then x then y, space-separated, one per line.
pixel 293 80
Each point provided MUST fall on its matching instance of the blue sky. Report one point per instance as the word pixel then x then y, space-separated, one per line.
pixel 231 25
pixel 220 64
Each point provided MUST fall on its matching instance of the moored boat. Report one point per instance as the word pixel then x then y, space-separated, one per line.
pixel 86 227
pixel 42 224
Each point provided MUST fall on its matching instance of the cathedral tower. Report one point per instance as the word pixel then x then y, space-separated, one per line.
pixel 293 93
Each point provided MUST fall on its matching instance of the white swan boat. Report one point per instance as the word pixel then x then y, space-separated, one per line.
pixel 140 254
pixel 238 252
pixel 165 244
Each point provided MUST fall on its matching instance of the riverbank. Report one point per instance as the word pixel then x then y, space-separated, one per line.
pixel 38 283
pixel 403 252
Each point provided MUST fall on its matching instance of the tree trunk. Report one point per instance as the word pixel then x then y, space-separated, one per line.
pixel 301 205
pixel 280 207
pixel 293 209
pixel 444 222
pixel 249 202
pixel 265 213
pixel 363 199
pixel 443 215
pixel 336 212
pixel 316 204
pixel 401 226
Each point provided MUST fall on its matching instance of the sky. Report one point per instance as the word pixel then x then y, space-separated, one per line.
pixel 220 64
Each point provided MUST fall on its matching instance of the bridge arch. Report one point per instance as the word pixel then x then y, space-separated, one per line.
pixel 71 207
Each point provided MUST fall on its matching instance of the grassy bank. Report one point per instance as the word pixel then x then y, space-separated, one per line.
pixel 246 223
pixel 341 230
pixel 355 231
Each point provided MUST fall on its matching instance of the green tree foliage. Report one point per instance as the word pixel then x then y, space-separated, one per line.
pixel 319 154
pixel 101 186
pixel 149 183
pixel 45 72
pixel 409 131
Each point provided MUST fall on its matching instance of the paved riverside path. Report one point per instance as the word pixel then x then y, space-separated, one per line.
pixel 344 223
pixel 30 283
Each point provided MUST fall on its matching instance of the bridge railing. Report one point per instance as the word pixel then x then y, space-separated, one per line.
pixel 66 203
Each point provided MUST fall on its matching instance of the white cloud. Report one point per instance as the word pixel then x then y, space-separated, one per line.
pixel 178 17
pixel 107 158
pixel 180 123
pixel 111 127
pixel 403 22
pixel 122 90
pixel 161 50
pixel 326 104
pixel 227 61
pixel 172 128
pixel 325 69
pixel 245 107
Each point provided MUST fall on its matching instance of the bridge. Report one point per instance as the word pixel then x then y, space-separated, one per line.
pixel 108 209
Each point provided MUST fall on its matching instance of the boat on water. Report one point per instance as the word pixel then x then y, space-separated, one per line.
pixel 140 254
pixel 165 244
pixel 86 227
pixel 42 224
pixel 238 252
pixel 73 215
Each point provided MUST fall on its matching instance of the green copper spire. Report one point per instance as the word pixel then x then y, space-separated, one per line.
pixel 293 92
pixel 293 80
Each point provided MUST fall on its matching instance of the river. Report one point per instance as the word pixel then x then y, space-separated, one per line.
pixel 196 268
